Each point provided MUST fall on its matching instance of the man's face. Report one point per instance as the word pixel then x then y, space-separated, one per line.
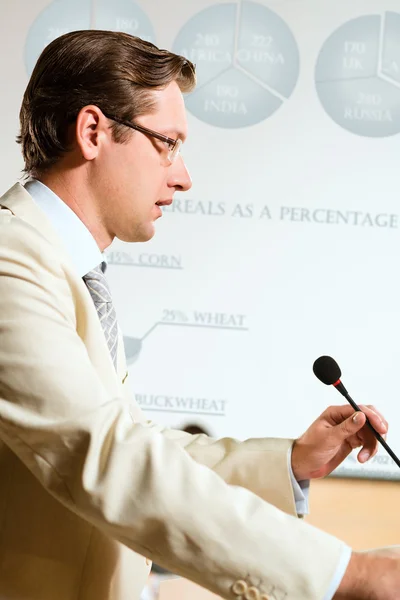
pixel 135 178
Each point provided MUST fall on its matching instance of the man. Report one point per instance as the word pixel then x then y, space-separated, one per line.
pixel 91 491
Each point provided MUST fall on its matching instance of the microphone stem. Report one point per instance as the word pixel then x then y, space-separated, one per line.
pixel 380 439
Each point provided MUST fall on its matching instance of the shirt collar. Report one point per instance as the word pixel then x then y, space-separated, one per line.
pixel 77 239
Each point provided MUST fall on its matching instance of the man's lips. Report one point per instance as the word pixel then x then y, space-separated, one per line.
pixel 167 202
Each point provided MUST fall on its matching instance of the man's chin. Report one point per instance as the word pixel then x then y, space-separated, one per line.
pixel 138 235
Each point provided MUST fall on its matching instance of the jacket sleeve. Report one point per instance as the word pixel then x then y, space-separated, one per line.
pixel 138 483
pixel 260 465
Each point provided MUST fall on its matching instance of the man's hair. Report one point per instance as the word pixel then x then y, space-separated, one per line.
pixel 113 70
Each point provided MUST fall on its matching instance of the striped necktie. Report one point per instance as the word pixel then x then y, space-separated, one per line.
pixel 97 285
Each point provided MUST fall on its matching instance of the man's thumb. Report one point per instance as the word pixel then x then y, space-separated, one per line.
pixel 352 424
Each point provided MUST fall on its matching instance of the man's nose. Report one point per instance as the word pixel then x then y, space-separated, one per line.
pixel 179 177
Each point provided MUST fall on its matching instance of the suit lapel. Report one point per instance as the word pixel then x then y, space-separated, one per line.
pixel 21 204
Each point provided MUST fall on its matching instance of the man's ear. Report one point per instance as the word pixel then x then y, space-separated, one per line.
pixel 89 131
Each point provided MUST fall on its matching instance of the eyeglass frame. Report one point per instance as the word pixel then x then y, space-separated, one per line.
pixel 176 144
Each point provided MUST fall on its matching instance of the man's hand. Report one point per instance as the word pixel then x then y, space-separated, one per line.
pixel 331 438
pixel 371 576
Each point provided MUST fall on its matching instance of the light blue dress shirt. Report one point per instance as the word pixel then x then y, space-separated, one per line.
pixel 86 255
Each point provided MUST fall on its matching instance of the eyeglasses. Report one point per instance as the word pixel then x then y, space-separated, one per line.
pixel 173 145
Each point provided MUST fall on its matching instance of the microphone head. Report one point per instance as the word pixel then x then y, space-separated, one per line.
pixel 327 370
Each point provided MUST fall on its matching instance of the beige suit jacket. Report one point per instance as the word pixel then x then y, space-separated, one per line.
pixel 90 491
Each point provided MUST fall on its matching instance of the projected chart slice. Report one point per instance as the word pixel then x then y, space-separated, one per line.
pixel 208 40
pixel 358 75
pixel 62 16
pixel 391 46
pixel 267 48
pixel 233 100
pixel 123 15
pixel 58 18
pixel 352 52
pixel 133 347
pixel 247 63
pixel 369 107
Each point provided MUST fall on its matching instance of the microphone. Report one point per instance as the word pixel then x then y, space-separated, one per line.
pixel 328 371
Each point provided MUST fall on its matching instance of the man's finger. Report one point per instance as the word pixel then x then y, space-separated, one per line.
pixel 350 426
pixel 334 415
pixel 368 452
pixel 369 443
pixel 377 421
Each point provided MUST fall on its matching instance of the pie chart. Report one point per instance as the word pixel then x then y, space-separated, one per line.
pixel 358 75
pixel 247 63
pixel 62 16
